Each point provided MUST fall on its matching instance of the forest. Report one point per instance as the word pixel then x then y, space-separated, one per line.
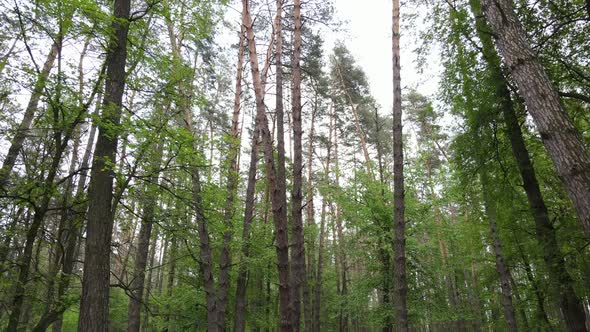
pixel 225 165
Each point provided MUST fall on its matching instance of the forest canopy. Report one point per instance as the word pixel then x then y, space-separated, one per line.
pixel 207 165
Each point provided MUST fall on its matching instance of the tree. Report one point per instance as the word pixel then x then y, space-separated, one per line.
pixel 561 139
pixel 400 292
pixel 94 303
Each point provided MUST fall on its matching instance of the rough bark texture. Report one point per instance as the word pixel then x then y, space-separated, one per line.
pixel 560 137
pixel 279 208
pixel 560 279
pixel 298 279
pixel 94 304
pixel 399 241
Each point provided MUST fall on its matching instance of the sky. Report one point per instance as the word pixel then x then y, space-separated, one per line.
pixel 368 36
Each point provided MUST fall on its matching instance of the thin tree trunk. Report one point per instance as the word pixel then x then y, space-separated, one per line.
pixel 94 305
pixel 170 283
pixel 308 291
pixel 149 280
pixel 242 280
pixel 501 267
pixel 317 317
pixel 61 137
pixel 232 186
pixel 357 123
pixel 399 241
pixel 205 254
pixel 141 256
pixel 543 319
pixel 241 283
pixel 278 203
pixel 298 280
pixel 559 135
pixel 31 236
pixel 21 133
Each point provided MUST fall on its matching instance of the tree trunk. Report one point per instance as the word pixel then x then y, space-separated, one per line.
pixel 19 137
pixel 501 267
pixel 233 177
pixel 141 256
pixel 298 280
pixel 241 283
pixel 310 266
pixel 27 256
pixel 277 197
pixel 560 137
pixel 94 304
pixel 242 280
pixel 569 303
pixel 399 241
pixel 205 253
pixel 317 317
pixel 170 283
pixel 149 280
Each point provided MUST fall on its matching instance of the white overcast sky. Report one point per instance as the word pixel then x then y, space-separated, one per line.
pixel 368 35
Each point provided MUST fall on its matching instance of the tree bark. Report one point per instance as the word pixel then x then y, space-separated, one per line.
pixel 399 241
pixel 94 304
pixel 242 279
pixel 298 280
pixel 278 202
pixel 559 135
pixel 561 280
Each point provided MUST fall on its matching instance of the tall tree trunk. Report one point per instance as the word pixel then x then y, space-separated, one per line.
pixel 310 211
pixel 298 280
pixel 94 304
pixel 141 256
pixel 149 281
pixel 21 133
pixel 543 320
pixel 339 247
pixel 205 253
pixel 27 256
pixel 317 317
pixel 277 198
pixel 501 267
pixel 233 177
pixel 61 137
pixel 241 283
pixel 170 283
pixel 399 241
pixel 560 137
pixel 242 280
pixel 570 304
